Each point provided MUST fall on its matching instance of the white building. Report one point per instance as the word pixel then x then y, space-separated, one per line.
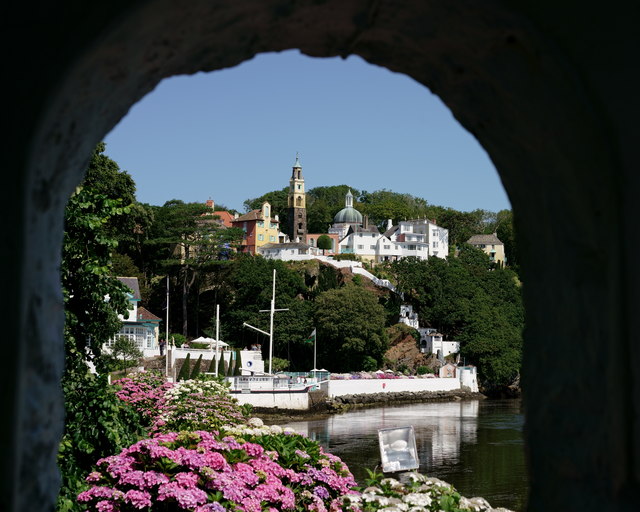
pixel 408 316
pixel 141 326
pixel 421 238
pixel 293 251
pixel 432 342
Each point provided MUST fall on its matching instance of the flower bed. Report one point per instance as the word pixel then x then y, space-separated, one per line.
pixel 198 471
pixel 222 461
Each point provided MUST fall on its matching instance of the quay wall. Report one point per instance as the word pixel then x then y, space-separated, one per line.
pixel 338 388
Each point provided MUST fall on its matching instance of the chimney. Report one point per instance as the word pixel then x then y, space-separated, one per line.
pixel 389 224
pixel 365 222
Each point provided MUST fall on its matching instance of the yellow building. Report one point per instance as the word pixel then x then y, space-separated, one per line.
pixel 259 228
pixel 491 245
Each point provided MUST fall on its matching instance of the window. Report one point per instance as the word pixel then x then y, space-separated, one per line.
pixel 266 211
pixel 387 247
pixel 260 224
pixel 299 186
pixel 435 244
pixel 372 247
pixel 361 247
pixel 411 247
pixel 271 238
pixel 260 237
pixel 312 242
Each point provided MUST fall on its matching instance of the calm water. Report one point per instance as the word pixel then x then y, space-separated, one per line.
pixel 475 445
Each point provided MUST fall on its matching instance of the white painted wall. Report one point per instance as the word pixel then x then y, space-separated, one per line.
pixel 369 386
pixel 292 401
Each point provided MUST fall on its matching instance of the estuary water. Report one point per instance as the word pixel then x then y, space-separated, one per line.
pixel 475 445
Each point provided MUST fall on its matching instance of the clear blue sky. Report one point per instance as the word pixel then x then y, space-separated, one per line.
pixel 233 134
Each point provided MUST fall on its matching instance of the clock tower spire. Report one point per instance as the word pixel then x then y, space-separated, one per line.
pixel 297 214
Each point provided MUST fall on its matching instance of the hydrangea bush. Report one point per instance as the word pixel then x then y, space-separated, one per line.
pixel 222 461
pixel 198 405
pixel 199 472
pixel 145 392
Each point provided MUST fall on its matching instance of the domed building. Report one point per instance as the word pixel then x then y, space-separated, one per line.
pixel 346 218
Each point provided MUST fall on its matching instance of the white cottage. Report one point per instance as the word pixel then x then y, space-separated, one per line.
pixel 140 325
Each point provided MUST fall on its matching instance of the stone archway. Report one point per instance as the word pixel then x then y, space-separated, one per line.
pixel 544 96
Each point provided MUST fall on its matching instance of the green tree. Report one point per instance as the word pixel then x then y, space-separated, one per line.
pixel 382 205
pixel 196 369
pixel 469 301
pixel 350 327
pixel 323 203
pixel 124 354
pixel 192 242
pixel 97 424
pixel 325 243
pixel 505 231
pixel 185 369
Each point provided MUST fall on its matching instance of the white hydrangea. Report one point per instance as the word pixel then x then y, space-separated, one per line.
pixel 391 482
pixel 418 498
pixel 255 422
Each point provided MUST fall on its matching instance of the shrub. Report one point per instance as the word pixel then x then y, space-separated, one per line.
pixel 196 369
pixel 369 364
pixel 97 424
pixel 198 405
pixel 212 365
pixel 145 392
pixel 196 471
pixel 185 369
pixel 422 370
pixel 178 339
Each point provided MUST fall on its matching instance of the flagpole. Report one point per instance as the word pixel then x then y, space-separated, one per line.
pixel 166 338
pixel 217 335
pixel 315 337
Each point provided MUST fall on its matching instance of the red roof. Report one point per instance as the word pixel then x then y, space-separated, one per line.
pixel 225 217
pixel 145 315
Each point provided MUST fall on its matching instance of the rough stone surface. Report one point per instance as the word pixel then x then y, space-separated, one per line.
pixel 546 87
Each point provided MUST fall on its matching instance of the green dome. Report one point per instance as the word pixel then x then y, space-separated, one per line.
pixel 348 215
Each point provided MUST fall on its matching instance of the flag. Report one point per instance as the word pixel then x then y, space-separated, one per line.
pixel 311 337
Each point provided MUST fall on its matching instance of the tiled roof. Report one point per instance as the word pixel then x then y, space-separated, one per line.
pixel 360 229
pixel 132 283
pixel 145 315
pixel 252 215
pixel 484 239
pixel 226 218
pixel 391 231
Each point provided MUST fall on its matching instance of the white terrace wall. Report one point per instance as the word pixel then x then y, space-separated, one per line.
pixel 370 386
pixel 292 401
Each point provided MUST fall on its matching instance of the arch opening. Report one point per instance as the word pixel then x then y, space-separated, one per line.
pixel 505 81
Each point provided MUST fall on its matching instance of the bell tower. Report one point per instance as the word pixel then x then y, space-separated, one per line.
pixel 297 214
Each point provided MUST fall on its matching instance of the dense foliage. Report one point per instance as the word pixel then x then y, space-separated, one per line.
pixel 468 300
pixel 351 327
pixel 96 423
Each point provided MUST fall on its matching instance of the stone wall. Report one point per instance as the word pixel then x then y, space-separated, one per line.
pixel 547 88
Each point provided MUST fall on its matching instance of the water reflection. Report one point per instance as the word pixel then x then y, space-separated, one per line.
pixel 475 445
